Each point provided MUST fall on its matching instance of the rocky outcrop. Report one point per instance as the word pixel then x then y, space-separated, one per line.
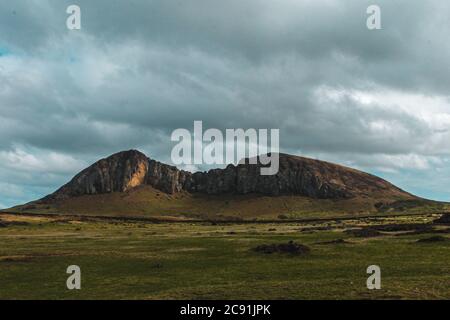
pixel 167 178
pixel 297 176
pixel 117 173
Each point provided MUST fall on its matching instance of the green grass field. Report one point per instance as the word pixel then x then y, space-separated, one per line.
pixel 137 260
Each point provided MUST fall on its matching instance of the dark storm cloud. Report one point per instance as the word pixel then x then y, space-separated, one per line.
pixel 138 70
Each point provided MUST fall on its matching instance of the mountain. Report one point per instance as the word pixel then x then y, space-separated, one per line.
pixel 129 183
pixel 126 170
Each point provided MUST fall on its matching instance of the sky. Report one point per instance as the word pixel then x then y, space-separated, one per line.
pixel 376 100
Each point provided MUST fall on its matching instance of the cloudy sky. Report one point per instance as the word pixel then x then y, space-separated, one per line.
pixel 377 100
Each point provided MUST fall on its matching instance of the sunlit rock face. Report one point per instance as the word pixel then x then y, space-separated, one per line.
pixel 117 173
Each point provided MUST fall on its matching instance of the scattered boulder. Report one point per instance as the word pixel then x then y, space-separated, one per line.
pixel 291 247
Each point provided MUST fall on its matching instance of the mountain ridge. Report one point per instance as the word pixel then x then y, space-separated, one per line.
pixel 126 170
pixel 130 184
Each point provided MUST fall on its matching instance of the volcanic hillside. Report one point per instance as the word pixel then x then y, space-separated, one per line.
pixel 129 183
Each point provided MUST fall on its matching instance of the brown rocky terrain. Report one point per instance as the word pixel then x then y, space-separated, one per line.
pixel 126 170
pixel 131 184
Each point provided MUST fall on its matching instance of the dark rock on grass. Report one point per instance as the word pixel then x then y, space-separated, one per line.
pixel 444 219
pixel 291 247
pixel 432 231
pixel 433 239
pixel 418 227
pixel 337 241
pixel 406 228
pixel 364 233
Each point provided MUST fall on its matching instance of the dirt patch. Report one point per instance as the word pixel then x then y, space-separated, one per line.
pixel 432 239
pixel 291 247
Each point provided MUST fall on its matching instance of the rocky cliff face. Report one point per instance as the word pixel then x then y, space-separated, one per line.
pixel 297 176
pixel 117 173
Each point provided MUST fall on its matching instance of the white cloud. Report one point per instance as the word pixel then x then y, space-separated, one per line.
pixel 50 162
pixel 421 122
pixel 189 167
pixel 11 190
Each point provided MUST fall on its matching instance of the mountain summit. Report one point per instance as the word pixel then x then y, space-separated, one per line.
pixel 129 183
pixel 126 170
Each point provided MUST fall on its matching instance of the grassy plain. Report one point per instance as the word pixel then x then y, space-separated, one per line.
pixel 122 259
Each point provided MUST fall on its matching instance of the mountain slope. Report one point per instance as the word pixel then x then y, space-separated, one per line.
pixel 126 170
pixel 130 184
